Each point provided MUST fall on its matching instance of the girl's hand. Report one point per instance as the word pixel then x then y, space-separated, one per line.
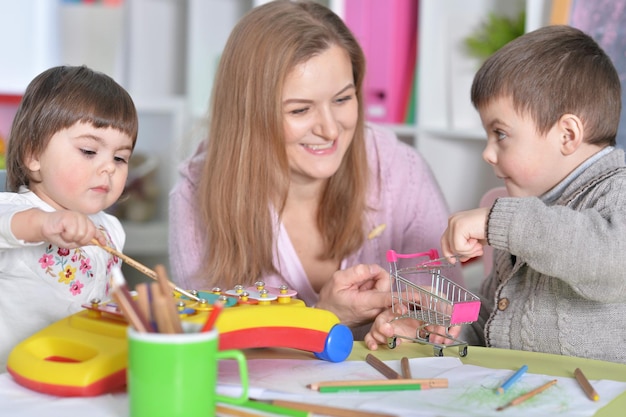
pixel 65 229
pixel 69 229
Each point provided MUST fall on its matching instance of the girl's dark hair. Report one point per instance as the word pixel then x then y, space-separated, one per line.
pixel 55 100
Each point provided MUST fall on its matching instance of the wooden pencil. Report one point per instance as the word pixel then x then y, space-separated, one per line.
pixel 142 268
pixel 328 410
pixel 236 412
pixel 144 300
pixel 586 385
pixel 121 295
pixel 528 395
pixel 166 301
pixel 512 379
pixel 381 367
pixel 406 367
pixel 165 322
pixel 218 306
pixel 425 383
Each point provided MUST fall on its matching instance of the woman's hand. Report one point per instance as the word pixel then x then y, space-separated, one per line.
pixel 357 295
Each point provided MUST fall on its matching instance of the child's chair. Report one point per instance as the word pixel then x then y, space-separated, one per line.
pixel 487 200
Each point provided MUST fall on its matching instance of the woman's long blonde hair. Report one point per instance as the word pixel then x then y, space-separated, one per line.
pixel 246 171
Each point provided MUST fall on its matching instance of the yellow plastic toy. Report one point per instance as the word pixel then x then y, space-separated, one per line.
pixel 85 354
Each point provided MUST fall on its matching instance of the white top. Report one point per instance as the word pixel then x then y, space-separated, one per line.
pixel 41 283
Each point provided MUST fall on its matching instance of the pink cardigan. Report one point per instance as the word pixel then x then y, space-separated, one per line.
pixel 404 193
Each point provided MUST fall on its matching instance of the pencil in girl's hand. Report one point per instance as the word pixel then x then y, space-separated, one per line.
pixel 142 268
pixel 121 295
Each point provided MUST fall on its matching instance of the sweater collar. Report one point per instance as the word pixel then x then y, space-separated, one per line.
pixel 559 190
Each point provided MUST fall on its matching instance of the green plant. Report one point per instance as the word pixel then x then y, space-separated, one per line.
pixel 493 34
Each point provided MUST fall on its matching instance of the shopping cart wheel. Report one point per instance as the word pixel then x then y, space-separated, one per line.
pixel 391 342
pixel 463 351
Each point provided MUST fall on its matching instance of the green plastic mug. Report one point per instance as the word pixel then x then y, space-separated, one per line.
pixel 175 374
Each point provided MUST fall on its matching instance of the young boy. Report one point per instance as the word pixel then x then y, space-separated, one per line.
pixel 550 103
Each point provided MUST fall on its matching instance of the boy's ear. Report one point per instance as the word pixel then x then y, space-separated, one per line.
pixel 572 133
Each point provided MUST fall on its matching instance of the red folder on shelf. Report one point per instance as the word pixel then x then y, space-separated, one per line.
pixel 387 32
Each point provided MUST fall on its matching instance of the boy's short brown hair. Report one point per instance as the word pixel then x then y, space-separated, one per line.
pixel 552 71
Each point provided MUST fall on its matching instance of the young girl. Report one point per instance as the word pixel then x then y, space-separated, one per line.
pixel 67 161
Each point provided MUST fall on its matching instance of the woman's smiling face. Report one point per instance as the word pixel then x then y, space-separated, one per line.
pixel 320 113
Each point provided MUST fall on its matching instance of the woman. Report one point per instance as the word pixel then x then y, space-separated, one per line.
pixel 291 187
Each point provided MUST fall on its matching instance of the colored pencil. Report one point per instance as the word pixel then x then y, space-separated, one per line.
pixel 381 367
pixel 144 302
pixel 512 379
pixel 142 268
pixel 406 367
pixel 121 295
pixel 528 395
pixel 327 410
pixel 371 388
pixel 218 306
pixel 228 410
pixel 586 385
pixel 168 305
pixel 424 383
pixel 272 409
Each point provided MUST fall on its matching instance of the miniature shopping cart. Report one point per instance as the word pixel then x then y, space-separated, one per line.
pixel 423 294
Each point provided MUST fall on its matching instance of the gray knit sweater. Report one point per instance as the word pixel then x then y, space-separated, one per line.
pixel 559 280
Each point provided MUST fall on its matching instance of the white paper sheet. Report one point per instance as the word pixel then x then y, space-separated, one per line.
pixel 471 391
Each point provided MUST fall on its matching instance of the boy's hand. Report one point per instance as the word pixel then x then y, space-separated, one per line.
pixel 356 295
pixel 465 235
pixel 383 328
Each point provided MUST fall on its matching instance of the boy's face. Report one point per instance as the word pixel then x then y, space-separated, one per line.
pixel 82 168
pixel 529 163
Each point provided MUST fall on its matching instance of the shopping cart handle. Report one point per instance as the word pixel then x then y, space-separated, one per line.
pixel 392 256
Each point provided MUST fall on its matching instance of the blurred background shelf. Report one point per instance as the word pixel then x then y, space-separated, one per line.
pixel 165 53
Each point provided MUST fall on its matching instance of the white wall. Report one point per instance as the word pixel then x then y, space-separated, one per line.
pixel 29 41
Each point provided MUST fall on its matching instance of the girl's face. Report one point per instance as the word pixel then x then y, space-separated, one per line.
pixel 320 112
pixel 82 169
pixel 529 163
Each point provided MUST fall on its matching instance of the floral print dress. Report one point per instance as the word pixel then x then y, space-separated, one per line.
pixel 41 283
